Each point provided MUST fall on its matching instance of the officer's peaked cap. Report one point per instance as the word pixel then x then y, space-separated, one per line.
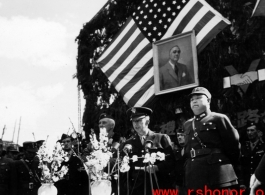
pixel 105 115
pixel 200 91
pixel 138 112
pixel 64 136
pixel 252 123
pixel 30 146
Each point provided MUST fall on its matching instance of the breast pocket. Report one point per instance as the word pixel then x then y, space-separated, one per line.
pixel 260 153
pixel 209 126
pixel 4 169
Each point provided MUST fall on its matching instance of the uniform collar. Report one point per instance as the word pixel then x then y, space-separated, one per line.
pixel 202 115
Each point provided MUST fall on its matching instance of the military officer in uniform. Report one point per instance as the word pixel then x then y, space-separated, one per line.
pixel 12 152
pixel 75 182
pixel 8 176
pixel 178 174
pixel 211 146
pixel 251 153
pixel 147 141
pixel 28 172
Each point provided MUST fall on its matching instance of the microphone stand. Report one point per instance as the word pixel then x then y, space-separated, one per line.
pixel 118 157
pixel 145 179
pixel 151 168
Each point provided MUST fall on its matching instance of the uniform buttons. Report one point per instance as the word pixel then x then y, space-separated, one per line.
pixel 192 159
pixel 220 160
pixel 251 162
pixel 251 156
pixel 207 129
pixel 142 151
pixel 192 138
pixel 204 124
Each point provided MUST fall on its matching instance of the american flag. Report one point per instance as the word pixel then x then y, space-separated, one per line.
pixel 128 60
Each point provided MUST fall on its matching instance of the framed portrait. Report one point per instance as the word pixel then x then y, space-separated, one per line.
pixel 175 63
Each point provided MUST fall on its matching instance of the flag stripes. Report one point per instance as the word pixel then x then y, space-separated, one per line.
pixel 110 51
pixel 146 92
pixel 128 61
pixel 141 73
pixel 122 72
pixel 133 57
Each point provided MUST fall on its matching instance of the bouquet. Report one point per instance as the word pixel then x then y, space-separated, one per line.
pixel 147 158
pixel 51 163
pixel 100 155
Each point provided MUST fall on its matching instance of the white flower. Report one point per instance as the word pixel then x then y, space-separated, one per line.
pixel 125 159
pixel 50 162
pixel 146 158
pixel 153 158
pixel 134 158
pixel 124 168
pixel 55 179
pixel 160 156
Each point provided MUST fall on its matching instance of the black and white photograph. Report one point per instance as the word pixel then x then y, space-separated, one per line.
pixel 132 97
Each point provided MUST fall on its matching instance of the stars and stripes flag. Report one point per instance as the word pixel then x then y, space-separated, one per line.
pixel 128 60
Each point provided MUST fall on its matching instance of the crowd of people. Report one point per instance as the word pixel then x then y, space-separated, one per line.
pixel 208 155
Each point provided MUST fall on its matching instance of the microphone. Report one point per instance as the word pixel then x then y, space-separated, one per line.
pixel 127 149
pixel 148 145
pixel 115 146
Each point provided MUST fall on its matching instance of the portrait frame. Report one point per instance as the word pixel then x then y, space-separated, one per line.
pixel 163 69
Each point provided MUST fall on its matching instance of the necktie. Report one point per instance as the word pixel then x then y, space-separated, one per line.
pixel 143 139
pixel 176 70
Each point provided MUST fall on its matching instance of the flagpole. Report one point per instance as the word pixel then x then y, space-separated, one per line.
pixel 14 131
pixel 33 136
pixel 3 132
pixel 18 130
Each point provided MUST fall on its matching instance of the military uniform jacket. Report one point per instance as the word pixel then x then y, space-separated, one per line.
pixel 28 184
pixel 250 160
pixel 178 173
pixel 213 169
pixel 259 173
pixel 75 181
pixel 162 143
pixel 8 177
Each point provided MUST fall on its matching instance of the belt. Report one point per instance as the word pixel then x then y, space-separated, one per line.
pixel 204 151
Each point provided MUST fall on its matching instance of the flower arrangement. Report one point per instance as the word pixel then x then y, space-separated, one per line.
pixel 147 158
pixel 100 155
pixel 51 163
